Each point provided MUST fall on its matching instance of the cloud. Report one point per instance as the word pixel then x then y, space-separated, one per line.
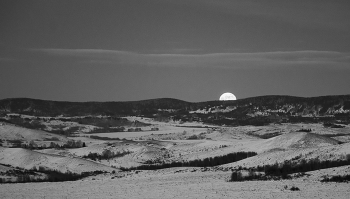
pixel 310 13
pixel 257 60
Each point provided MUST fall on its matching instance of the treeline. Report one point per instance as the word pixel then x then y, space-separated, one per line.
pixel 102 138
pixel 105 155
pixel 58 176
pixel 16 172
pixel 283 170
pixel 207 162
pixel 69 144
pixel 266 135
pixel 332 125
pixel 338 178
pixel 237 176
pixel 107 129
pixel 52 175
pixel 304 166
pixel 304 130
pixel 33 145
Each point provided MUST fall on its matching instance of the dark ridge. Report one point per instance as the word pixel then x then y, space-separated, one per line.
pixel 292 106
pixel 53 108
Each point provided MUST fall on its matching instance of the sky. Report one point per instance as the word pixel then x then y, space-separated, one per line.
pixel 193 50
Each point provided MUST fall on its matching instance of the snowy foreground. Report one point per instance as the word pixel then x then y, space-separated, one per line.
pixel 159 184
pixel 171 143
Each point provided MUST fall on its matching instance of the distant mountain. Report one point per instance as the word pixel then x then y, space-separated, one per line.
pixel 54 108
pixel 253 110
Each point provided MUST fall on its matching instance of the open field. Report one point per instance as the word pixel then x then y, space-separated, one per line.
pixel 175 185
pixel 162 130
pixel 186 142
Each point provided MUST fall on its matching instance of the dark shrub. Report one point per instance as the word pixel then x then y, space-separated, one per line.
pixel 294 188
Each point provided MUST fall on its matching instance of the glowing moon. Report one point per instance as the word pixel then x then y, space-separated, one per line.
pixel 227 96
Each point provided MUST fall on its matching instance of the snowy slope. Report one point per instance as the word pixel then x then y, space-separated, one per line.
pixel 27 159
pixel 12 132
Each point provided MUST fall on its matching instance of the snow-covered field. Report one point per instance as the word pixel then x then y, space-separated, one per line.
pixel 174 185
pixel 162 130
pixel 183 142
pixel 28 159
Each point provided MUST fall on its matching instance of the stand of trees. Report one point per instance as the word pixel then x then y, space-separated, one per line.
pixel 304 130
pixel 283 170
pixel 304 166
pixel 266 135
pixel 106 154
pixel 207 162
pixel 332 125
pixel 69 144
pixel 238 176
pixel 52 175
pixel 338 178
pixel 102 138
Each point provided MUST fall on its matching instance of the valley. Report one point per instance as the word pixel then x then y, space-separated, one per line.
pixel 136 155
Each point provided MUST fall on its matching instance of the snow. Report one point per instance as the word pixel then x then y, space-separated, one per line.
pixel 184 182
pixel 169 184
pixel 27 159
pixel 13 132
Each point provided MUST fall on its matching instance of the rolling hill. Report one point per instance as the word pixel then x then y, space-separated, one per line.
pixel 297 140
pixel 13 132
pixel 260 110
pixel 319 106
pixel 28 159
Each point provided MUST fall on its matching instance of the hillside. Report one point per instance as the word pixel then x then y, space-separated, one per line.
pixel 53 108
pixel 28 159
pixel 250 111
pixel 295 147
pixel 322 105
pixel 163 133
pixel 12 132
pixel 296 140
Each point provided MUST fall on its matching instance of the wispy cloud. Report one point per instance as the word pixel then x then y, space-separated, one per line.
pixel 312 13
pixel 214 60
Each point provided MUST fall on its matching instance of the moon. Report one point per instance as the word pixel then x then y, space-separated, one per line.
pixel 227 96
